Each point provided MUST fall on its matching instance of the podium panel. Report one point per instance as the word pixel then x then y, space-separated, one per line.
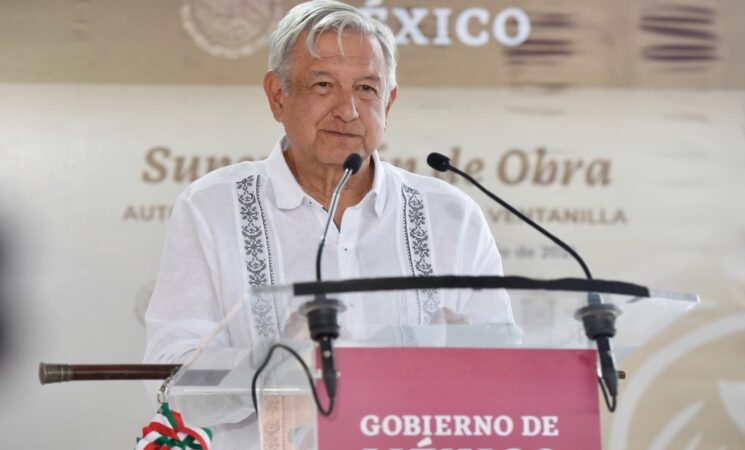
pixel 438 398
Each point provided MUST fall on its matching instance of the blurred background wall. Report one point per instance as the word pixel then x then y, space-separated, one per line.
pixel 620 125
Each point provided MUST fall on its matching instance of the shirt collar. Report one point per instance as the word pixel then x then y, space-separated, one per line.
pixel 286 191
pixel 288 194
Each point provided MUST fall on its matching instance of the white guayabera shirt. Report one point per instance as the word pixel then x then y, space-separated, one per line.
pixel 251 224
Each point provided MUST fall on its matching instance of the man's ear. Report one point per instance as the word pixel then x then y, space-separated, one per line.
pixel 391 99
pixel 273 91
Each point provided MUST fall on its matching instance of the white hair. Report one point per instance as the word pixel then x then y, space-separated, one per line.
pixel 317 16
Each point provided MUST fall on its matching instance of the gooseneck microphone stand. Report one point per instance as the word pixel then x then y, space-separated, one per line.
pixel 322 312
pixel 598 318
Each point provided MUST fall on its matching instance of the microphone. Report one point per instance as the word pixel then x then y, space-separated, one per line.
pixel 321 312
pixel 353 163
pixel 597 317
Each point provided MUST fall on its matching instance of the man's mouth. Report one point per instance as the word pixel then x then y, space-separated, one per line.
pixel 342 134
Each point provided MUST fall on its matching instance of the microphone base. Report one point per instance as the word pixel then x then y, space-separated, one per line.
pixel 322 314
pixel 599 321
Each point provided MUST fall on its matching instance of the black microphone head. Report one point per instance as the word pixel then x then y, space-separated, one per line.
pixel 353 163
pixel 438 162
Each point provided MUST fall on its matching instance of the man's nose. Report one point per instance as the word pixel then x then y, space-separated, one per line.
pixel 346 106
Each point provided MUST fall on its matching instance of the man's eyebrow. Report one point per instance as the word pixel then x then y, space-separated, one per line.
pixel 372 78
pixel 321 73
pixel 325 73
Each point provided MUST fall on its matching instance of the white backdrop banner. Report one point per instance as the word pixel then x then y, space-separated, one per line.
pixel 646 185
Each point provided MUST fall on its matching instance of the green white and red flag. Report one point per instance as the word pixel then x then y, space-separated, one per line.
pixel 167 430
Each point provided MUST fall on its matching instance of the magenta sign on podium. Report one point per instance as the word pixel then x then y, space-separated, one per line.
pixel 463 399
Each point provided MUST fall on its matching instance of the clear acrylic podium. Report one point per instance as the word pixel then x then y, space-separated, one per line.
pixel 510 314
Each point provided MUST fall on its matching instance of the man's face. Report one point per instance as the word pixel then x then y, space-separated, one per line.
pixel 335 106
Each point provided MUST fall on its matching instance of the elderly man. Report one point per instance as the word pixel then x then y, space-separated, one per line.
pixel 331 83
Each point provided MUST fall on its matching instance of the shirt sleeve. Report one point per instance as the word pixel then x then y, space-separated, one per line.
pixel 185 309
pixel 480 256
